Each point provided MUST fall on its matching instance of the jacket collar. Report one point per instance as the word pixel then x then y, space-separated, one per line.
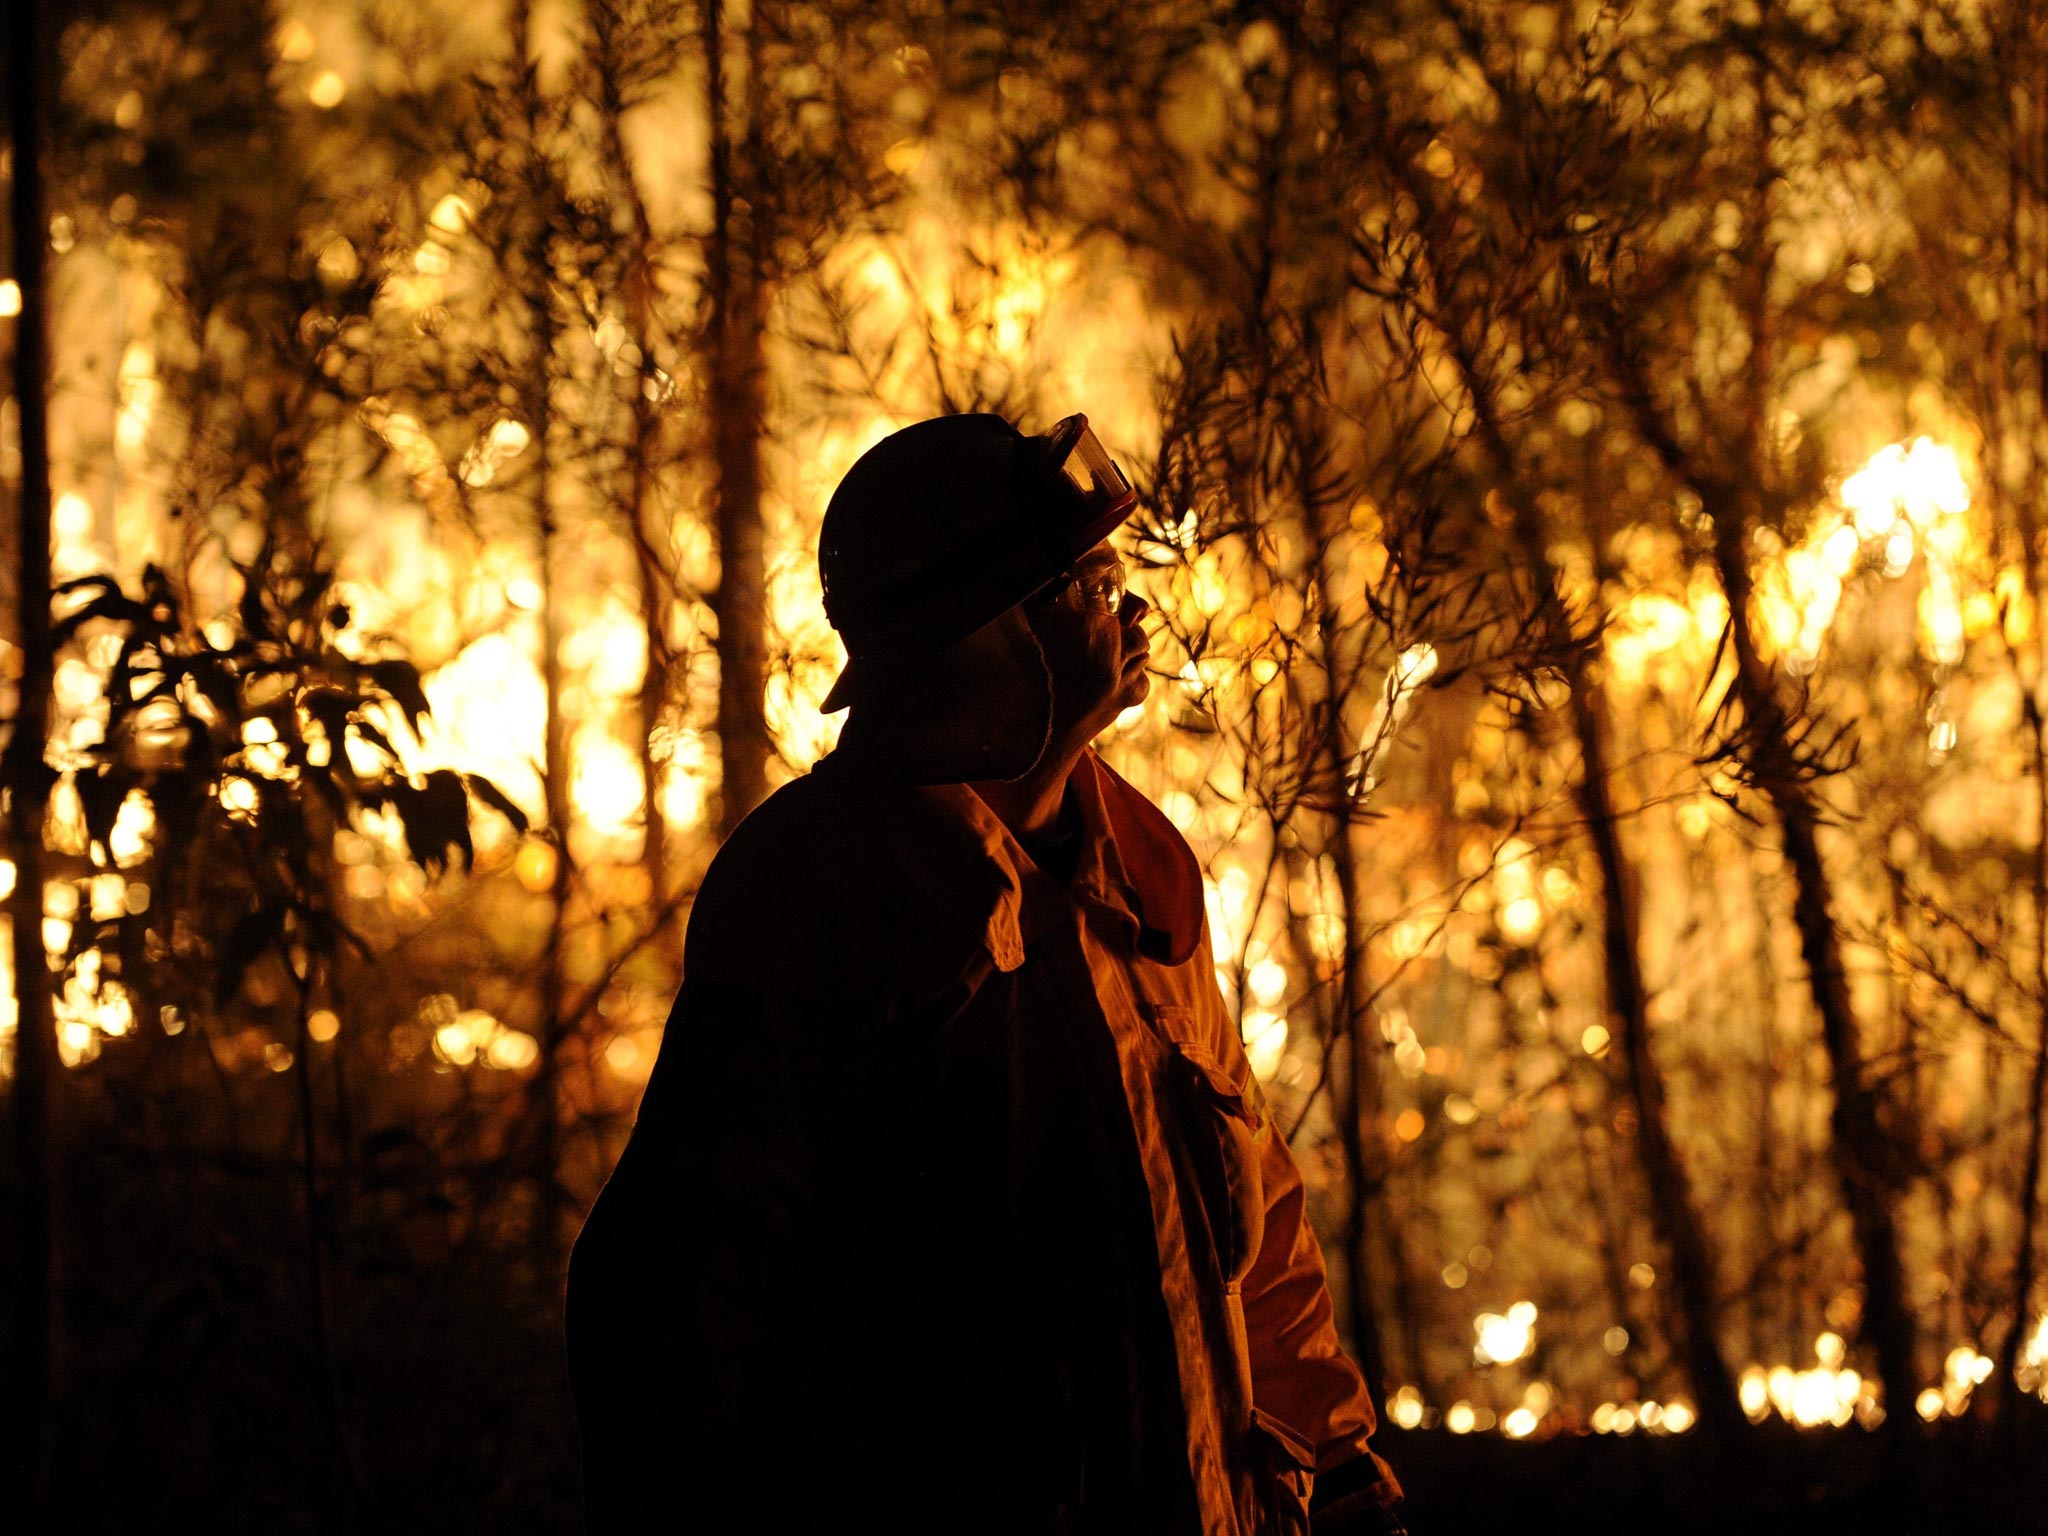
pixel 1133 865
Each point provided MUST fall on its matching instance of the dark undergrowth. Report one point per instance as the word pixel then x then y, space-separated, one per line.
pixel 1964 1477
pixel 195 1398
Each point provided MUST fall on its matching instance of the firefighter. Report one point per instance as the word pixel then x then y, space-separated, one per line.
pixel 953 1204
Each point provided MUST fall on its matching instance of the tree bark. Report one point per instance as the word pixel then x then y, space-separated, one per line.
pixel 1859 1148
pixel 1364 1171
pixel 1673 1213
pixel 28 781
pixel 1358 1105
pixel 2026 1258
pixel 2031 63
pixel 735 292
pixel 640 507
pixel 537 278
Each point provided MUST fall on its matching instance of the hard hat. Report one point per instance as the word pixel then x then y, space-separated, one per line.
pixel 944 525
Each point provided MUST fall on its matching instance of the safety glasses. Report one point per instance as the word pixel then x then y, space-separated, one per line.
pixel 1099 589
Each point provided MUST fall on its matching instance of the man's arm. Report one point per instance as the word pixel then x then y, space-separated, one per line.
pixel 750 1332
pixel 1300 1373
pixel 705 1299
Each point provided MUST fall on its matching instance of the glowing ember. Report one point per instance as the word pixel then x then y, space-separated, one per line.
pixel 1504 1336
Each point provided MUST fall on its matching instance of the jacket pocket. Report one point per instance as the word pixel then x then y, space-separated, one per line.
pixel 1224 1128
pixel 1283 1465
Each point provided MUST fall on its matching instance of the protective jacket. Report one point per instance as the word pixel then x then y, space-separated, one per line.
pixel 953 1203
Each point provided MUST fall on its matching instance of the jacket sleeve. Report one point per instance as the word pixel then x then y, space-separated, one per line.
pixel 1301 1376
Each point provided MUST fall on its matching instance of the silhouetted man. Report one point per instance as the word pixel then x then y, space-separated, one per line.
pixel 953 1204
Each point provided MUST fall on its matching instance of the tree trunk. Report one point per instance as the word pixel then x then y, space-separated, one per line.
pixel 2027 1256
pixel 638 494
pixel 1673 1214
pixel 1858 1147
pixel 339 1495
pixel 737 314
pixel 1364 1171
pixel 1359 1098
pixel 653 713
pixel 560 811
pixel 27 779
pixel 1672 1211
pixel 537 276
pixel 2026 1259
pixel 1858 1144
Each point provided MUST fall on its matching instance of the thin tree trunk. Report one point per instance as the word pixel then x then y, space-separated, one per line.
pixel 1359 1100
pixel 539 298
pixel 2027 1257
pixel 555 790
pixel 1673 1214
pixel 640 504
pixel 340 1493
pixel 1858 1145
pixel 1364 1171
pixel 27 779
pixel 653 715
pixel 2032 63
pixel 1672 1209
pixel 1859 1148
pixel 1768 1268
pixel 737 313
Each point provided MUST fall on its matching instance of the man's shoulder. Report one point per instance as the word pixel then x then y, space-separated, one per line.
pixel 836 820
pixel 835 863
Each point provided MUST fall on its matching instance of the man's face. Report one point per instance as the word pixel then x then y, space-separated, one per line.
pixel 1097 659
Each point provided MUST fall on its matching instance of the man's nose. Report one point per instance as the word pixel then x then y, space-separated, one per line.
pixel 1133 609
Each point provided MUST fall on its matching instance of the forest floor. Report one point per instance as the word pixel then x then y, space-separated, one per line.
pixel 195 1398
pixel 1973 1479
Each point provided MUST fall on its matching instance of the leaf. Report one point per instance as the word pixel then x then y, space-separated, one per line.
pixel 445 803
pixel 329 708
pixel 111 606
pixel 483 789
pixel 401 679
pixel 220 688
pixel 435 816
pixel 106 584
pixel 100 794
pixel 255 617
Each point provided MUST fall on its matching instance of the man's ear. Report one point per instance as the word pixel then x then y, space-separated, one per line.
pixel 979 710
